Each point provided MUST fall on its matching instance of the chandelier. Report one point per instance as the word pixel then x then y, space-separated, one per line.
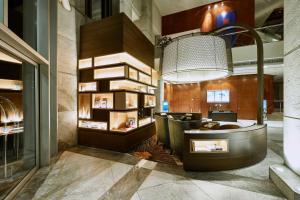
pixel 196 58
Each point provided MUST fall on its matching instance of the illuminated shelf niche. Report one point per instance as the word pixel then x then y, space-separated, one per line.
pixel 87 87
pixel 123 121
pixel 127 85
pixel 151 90
pixel 209 146
pixel 144 121
pixel 84 106
pixel 103 100
pixel 92 125
pixel 126 100
pixel 143 78
pixel 11 84
pixel 111 72
pixel 149 101
pixel 133 74
pixel 154 77
pixel 122 58
pixel 85 63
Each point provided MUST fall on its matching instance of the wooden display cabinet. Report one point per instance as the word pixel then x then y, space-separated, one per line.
pixel 117 58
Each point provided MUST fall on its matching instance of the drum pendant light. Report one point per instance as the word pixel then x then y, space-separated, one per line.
pixel 196 58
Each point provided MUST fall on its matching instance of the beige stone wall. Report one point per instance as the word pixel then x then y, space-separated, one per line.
pixel 292 84
pixel 67 50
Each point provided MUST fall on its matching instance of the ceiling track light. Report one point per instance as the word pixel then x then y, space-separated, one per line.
pixel 66 4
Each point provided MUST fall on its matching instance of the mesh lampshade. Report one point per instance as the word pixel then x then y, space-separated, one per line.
pixel 196 58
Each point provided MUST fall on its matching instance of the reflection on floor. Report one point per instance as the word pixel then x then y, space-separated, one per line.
pixel 84 173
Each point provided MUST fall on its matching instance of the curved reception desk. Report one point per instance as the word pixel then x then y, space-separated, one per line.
pixel 213 150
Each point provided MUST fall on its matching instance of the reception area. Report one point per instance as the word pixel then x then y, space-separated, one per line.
pixel 149 99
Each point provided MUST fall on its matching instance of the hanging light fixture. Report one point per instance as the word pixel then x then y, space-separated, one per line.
pixel 196 58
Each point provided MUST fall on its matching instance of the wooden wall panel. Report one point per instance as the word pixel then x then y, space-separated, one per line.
pixel 243 96
pixel 197 17
pixel 115 34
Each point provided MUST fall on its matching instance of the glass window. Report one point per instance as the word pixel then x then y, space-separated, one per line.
pixel 17 121
pixel 22 20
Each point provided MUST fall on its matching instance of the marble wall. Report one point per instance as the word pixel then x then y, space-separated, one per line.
pixel 67 50
pixel 292 84
pixel 145 15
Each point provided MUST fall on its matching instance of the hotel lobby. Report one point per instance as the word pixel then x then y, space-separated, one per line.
pixel 149 99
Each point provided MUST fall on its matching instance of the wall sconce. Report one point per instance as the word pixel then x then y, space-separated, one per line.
pixel 66 4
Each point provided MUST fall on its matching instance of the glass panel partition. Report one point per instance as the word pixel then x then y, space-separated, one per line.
pixel 18 119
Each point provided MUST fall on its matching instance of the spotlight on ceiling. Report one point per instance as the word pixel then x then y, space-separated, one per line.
pixel 66 4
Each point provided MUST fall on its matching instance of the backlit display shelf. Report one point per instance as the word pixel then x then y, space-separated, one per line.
pixel 154 77
pixel 123 121
pixel 87 87
pixel 209 146
pixel 133 74
pixel 103 100
pixel 84 106
pixel 111 72
pixel 151 90
pixel 144 121
pixel 123 57
pixel 126 100
pixel 127 85
pixel 85 63
pixel 11 84
pixel 149 101
pixel 92 125
pixel 143 78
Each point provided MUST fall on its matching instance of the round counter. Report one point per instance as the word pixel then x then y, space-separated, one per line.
pixel 213 150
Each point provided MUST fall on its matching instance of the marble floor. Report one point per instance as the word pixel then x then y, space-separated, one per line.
pixel 86 173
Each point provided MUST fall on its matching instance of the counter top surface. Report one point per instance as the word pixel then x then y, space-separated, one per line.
pixel 243 128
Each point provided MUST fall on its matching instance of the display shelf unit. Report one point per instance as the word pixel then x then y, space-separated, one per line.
pixel 114 80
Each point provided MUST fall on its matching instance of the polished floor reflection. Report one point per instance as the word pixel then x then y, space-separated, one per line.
pixel 85 173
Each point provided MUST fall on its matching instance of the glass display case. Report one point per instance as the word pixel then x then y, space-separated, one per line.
pixel 126 100
pixel 133 74
pixel 143 78
pixel 84 106
pixel 92 124
pixel 87 87
pixel 209 146
pixel 122 58
pixel 123 121
pixel 111 72
pixel 154 77
pixel 103 100
pixel 85 63
pixel 145 121
pixel 127 85
pixel 149 101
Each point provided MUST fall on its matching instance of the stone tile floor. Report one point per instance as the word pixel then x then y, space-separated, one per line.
pixel 85 173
